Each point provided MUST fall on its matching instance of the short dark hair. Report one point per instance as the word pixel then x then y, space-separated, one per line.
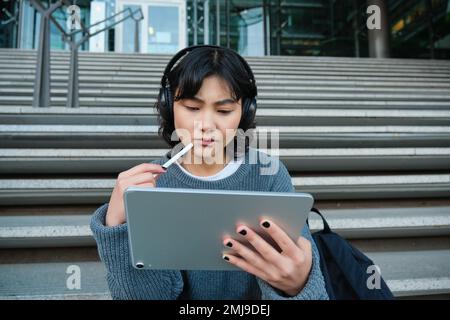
pixel 186 79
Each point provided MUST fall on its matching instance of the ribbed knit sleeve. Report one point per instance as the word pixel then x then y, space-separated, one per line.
pixel 124 281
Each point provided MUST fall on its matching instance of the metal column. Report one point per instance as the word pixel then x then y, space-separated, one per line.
pixel 218 22
pixel 379 38
pixel 206 22
pixel 41 94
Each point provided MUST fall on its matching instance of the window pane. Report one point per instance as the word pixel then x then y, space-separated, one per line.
pixel 163 29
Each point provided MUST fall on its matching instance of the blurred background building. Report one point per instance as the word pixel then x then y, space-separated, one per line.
pixel 417 28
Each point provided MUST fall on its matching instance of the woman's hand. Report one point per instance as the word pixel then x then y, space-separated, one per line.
pixel 141 175
pixel 287 271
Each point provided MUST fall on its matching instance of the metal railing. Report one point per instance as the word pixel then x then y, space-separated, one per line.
pixel 12 18
pixel 8 26
pixel 42 86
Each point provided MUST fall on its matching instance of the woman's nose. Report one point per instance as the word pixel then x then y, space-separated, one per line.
pixel 207 121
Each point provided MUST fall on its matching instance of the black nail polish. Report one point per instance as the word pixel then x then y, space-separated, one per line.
pixel 266 224
pixel 226 258
pixel 243 232
pixel 229 244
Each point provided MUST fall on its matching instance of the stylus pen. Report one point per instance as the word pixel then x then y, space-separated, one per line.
pixel 176 157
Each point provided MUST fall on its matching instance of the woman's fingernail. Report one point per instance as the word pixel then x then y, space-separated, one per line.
pixel 229 244
pixel 226 258
pixel 266 224
pixel 243 232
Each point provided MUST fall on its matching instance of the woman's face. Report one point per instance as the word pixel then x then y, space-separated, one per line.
pixel 211 114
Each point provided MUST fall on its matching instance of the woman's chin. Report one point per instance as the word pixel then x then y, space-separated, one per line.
pixel 207 155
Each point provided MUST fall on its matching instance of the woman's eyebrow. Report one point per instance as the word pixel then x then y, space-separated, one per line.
pixel 217 103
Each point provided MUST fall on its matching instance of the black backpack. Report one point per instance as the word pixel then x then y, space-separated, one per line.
pixel 345 268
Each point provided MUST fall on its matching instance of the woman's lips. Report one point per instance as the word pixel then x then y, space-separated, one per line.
pixel 206 142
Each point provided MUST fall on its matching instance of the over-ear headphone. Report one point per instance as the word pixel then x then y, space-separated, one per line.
pixel 165 94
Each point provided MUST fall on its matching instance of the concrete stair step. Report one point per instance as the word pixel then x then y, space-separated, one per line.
pixel 7 81
pixel 34 231
pixel 79 190
pixel 274 59
pixel 28 274
pixel 49 161
pixel 264 116
pixel 365 104
pixel 273 79
pixel 124 136
pixel 86 102
pixel 156 72
pixel 266 91
pixel 257 68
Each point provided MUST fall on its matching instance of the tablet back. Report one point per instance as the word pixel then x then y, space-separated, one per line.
pixel 183 229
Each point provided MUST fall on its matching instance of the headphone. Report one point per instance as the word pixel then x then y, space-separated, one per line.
pixel 165 95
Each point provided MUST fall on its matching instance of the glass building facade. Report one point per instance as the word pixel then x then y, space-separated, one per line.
pixel 417 28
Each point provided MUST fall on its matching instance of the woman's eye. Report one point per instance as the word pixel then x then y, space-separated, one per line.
pixel 195 109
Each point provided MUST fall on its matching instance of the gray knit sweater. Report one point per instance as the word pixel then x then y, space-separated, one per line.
pixel 125 282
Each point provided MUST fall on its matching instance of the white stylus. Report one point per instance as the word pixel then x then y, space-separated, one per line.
pixel 177 156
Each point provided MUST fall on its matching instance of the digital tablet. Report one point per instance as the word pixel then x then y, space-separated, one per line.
pixel 183 229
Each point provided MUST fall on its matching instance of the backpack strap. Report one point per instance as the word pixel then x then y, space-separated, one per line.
pixel 326 227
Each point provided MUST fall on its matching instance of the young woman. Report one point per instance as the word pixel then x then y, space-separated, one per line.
pixel 208 98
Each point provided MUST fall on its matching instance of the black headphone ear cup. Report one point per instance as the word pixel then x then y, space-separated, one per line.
pixel 249 110
pixel 253 106
pixel 162 100
pixel 164 105
pixel 161 97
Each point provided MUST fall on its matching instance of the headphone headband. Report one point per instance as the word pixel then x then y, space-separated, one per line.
pixel 164 80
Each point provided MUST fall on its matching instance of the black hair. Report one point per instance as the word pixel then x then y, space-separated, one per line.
pixel 186 79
